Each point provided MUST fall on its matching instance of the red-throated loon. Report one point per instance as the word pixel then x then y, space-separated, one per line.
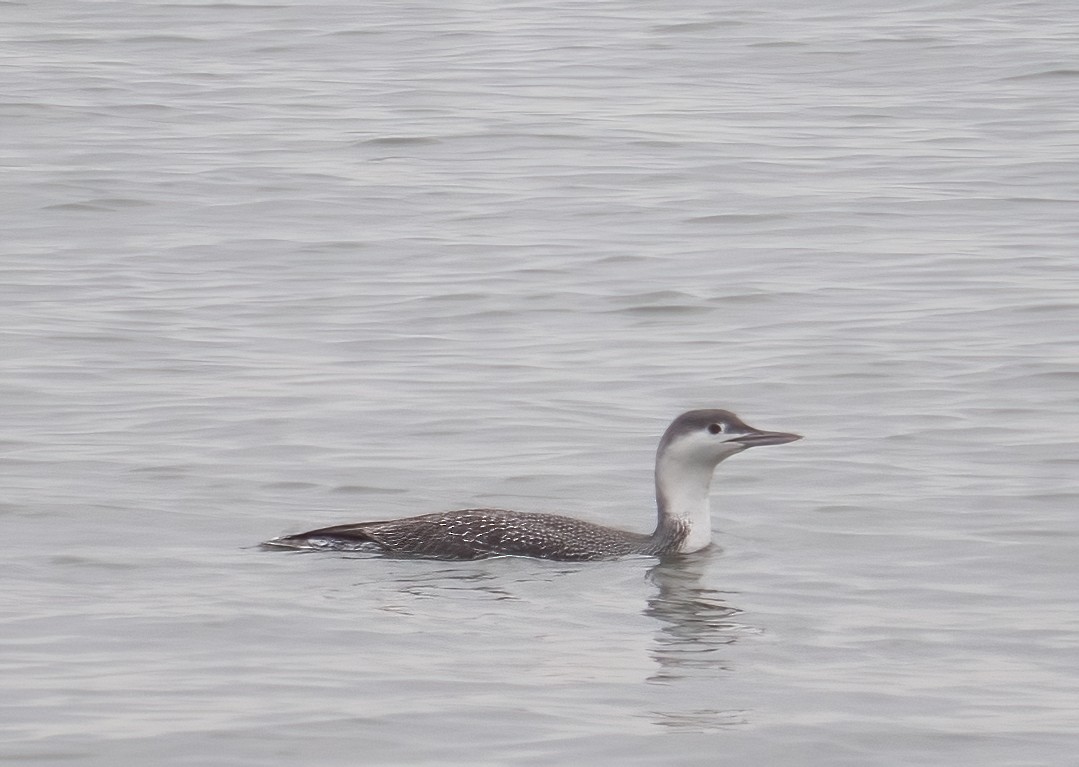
pixel 688 454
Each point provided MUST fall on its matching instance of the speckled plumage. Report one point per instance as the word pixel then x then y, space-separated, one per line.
pixel 479 533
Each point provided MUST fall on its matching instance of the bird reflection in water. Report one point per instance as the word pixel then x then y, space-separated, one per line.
pixel 697 626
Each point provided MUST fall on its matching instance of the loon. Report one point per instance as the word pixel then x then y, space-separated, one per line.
pixel 688 453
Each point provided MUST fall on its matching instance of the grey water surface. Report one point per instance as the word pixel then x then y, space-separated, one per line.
pixel 268 266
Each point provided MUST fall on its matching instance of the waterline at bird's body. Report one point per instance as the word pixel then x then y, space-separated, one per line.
pixel 689 451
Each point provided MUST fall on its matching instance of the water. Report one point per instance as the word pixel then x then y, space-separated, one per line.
pixel 267 267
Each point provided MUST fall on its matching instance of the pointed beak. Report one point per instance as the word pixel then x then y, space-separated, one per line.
pixel 757 438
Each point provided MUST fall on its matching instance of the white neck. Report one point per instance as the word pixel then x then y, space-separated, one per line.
pixel 682 494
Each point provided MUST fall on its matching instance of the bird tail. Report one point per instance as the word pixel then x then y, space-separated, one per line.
pixel 352 537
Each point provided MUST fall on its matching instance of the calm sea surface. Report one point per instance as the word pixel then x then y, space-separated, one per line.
pixel 270 266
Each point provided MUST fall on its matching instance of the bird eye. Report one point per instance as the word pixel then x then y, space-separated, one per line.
pixel 715 428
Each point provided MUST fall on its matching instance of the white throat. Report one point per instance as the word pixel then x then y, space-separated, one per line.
pixel 682 487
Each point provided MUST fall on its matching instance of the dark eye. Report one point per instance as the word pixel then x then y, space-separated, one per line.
pixel 715 428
